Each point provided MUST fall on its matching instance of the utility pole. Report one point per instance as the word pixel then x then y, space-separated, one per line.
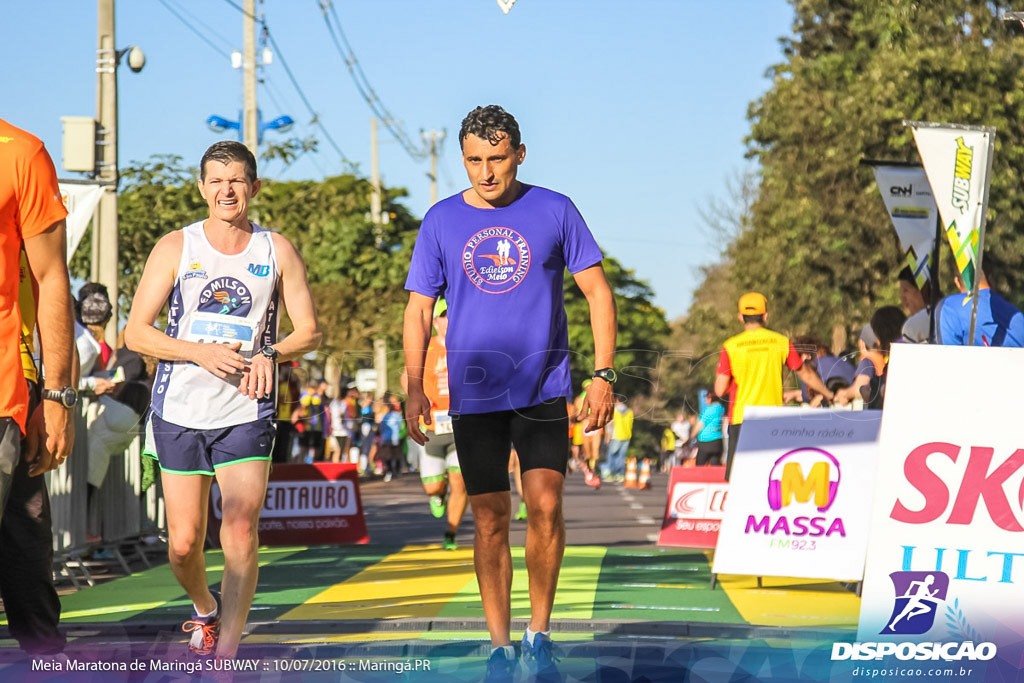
pixel 433 140
pixel 250 131
pixel 105 224
pixel 374 177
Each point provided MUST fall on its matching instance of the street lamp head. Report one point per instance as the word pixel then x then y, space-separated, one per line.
pixel 282 124
pixel 136 58
pixel 219 124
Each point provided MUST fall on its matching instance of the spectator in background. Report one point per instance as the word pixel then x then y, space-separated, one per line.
pixel 751 364
pixel 391 437
pixel 288 394
pixel 314 415
pixel 876 338
pixel 916 303
pixel 709 431
pixel 999 322
pixel 835 372
pixel 682 429
pixel 35 436
pixel 618 440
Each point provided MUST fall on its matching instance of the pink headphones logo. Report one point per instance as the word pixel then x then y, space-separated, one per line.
pixel 801 484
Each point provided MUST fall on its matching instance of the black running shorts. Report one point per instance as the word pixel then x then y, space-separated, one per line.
pixel 540 434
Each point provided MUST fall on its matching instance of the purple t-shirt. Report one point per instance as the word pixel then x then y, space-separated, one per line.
pixel 501 271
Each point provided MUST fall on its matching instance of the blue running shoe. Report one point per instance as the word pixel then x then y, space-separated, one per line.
pixel 501 667
pixel 540 659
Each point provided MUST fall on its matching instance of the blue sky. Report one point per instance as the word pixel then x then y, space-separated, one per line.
pixel 637 110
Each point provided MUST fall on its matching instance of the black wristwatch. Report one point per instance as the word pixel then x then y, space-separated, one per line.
pixel 67 396
pixel 270 352
pixel 607 374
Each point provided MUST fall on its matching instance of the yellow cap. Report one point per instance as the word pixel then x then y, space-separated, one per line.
pixel 753 303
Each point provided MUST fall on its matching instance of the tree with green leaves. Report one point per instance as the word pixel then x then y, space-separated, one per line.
pixel 819 243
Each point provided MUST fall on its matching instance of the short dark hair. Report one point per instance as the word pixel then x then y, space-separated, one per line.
pixel 907 275
pixel 759 318
pixel 492 123
pixel 227 151
pixel 887 323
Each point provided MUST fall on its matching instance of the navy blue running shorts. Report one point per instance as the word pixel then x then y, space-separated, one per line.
pixel 483 441
pixel 183 450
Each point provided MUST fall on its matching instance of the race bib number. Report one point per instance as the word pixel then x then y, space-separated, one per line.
pixel 215 328
pixel 442 422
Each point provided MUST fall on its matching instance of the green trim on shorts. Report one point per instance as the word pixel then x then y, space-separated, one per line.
pixel 456 468
pixel 235 462
pixel 202 472
pixel 151 454
pixel 433 479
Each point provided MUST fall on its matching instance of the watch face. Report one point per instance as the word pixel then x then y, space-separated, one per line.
pixel 69 397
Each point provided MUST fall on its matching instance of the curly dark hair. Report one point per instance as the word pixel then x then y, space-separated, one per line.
pixel 491 123
pixel 227 151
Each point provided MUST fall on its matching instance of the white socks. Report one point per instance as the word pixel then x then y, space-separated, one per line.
pixel 530 635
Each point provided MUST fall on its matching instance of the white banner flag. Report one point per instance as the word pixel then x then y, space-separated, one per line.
pixel 911 206
pixel 80 201
pixel 956 160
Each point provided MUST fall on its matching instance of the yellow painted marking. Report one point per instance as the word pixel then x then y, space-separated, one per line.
pixel 792 602
pixel 416 582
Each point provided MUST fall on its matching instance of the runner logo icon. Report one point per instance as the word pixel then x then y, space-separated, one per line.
pixel 918 595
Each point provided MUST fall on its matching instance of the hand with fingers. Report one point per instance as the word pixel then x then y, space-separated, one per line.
pixel 598 405
pixel 415 406
pixel 258 377
pixel 220 359
pixel 49 437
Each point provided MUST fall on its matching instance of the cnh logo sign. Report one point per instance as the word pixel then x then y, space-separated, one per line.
pixel 979 483
pixel 789 480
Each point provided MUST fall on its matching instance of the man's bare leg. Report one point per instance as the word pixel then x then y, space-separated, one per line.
pixel 545 541
pixel 187 498
pixel 457 500
pixel 243 488
pixel 492 560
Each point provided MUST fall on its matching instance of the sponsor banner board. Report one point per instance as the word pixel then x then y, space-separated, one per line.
pixel 696 498
pixel 799 495
pixel 945 562
pixel 316 504
pixel 909 203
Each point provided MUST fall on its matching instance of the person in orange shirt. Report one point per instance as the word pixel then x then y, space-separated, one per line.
pixel 751 364
pixel 439 467
pixel 32 220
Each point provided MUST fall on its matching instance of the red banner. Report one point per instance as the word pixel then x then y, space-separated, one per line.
pixel 315 504
pixel 693 515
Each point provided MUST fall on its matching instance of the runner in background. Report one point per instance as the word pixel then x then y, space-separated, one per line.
pixel 439 464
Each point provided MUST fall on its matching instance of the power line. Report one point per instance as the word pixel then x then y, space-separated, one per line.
pixel 291 76
pixel 363 85
pixel 211 30
pixel 194 30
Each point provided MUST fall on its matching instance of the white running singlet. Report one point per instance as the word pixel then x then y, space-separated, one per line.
pixel 218 298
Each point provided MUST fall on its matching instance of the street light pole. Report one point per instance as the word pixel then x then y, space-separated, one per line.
pixel 105 257
pixel 250 124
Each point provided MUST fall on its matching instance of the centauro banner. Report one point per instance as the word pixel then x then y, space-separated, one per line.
pixel 909 202
pixel 80 201
pixel 957 162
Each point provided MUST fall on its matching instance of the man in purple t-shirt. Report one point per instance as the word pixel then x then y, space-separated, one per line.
pixel 498 251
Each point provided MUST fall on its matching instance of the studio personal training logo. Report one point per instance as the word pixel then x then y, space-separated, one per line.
pixel 918 595
pixel 496 259
pixel 226 296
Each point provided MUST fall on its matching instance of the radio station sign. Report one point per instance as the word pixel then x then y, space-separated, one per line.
pixel 315 504
pixel 800 492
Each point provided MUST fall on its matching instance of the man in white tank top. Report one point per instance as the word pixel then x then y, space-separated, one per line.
pixel 223 280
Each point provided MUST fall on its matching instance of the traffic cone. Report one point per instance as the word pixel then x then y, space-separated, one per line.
pixel 630 474
pixel 645 475
pixel 590 478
